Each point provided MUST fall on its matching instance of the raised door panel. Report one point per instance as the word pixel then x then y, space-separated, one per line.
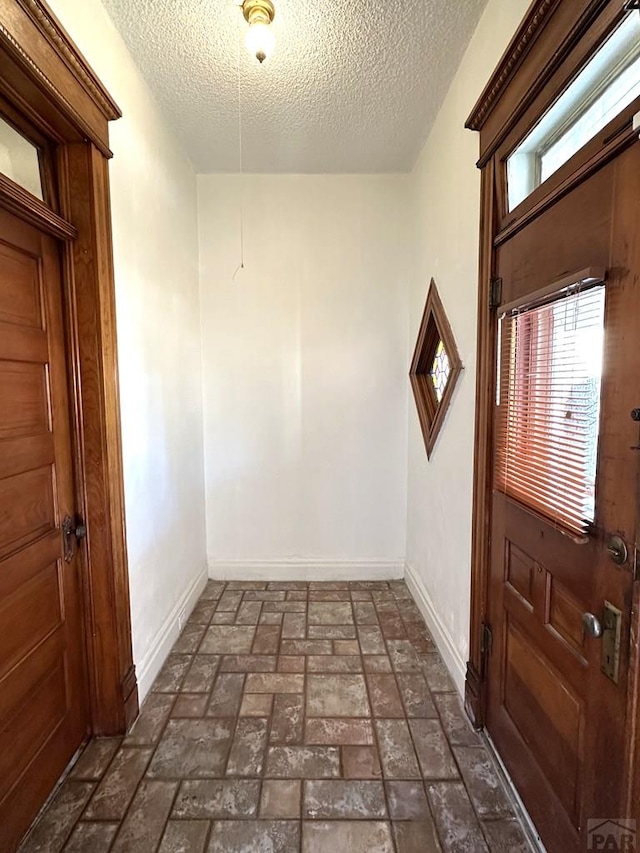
pixel 548 714
pixel 29 507
pixel 564 617
pixel 25 399
pixel 520 572
pixel 40 598
pixel 21 295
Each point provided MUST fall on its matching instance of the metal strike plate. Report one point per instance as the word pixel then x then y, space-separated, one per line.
pixel 611 628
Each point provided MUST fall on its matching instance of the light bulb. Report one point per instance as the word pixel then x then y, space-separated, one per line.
pixel 260 40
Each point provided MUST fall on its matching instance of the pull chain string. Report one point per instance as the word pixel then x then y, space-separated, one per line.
pixel 240 159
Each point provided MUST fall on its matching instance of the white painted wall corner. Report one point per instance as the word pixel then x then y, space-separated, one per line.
pixel 152 662
pixel 306 570
pixel 441 636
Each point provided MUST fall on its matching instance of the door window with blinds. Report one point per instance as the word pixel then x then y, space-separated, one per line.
pixel 548 399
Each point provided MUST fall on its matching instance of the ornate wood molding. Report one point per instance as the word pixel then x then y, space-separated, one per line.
pixel 13 47
pixel 542 47
pixel 59 39
pixel 17 200
pixel 44 74
pixel 532 25
pixel 17 49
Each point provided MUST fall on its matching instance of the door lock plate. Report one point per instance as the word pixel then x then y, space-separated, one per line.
pixel 611 629
pixel 72 532
pixel 618 550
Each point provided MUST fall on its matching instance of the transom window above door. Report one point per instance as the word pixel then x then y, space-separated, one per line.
pixel 20 160
pixel 609 83
pixel 548 422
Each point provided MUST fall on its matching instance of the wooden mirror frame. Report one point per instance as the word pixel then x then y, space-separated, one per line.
pixel 554 41
pixel 46 83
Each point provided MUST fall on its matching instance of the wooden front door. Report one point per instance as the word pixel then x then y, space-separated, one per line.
pixel 557 720
pixel 43 702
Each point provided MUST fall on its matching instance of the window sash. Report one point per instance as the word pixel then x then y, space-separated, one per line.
pixel 548 406
pixel 607 85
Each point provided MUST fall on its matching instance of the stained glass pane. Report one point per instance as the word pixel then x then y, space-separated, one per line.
pixel 440 370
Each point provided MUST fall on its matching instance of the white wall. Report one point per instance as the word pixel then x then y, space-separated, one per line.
pixel 305 365
pixel 446 214
pixel 305 357
pixel 153 191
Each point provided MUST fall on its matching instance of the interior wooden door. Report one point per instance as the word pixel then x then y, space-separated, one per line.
pixel 557 719
pixel 43 705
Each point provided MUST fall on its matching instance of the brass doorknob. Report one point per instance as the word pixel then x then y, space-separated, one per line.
pixel 591 625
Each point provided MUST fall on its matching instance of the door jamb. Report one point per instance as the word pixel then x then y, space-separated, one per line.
pixel 553 27
pixel 45 78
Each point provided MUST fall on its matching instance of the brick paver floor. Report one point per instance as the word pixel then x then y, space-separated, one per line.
pixel 312 717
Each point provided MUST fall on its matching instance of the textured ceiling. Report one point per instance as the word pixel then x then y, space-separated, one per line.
pixel 353 85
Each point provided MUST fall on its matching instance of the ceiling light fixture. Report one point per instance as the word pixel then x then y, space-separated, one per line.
pixel 260 39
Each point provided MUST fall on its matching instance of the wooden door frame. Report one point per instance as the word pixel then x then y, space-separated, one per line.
pixel 45 81
pixel 544 55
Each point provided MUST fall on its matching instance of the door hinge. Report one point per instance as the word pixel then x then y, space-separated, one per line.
pixel 486 645
pixel 495 293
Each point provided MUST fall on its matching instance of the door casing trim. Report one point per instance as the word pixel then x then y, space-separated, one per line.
pixel 46 80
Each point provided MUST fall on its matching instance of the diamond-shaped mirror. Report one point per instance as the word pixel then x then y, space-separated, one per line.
pixel 435 368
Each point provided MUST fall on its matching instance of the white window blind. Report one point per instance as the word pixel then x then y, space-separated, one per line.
pixel 548 413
